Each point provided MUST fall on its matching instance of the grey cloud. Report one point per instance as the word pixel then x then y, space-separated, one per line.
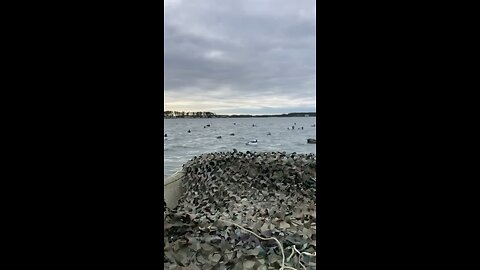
pixel 247 48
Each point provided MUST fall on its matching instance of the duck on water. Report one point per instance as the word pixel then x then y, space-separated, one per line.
pixel 252 142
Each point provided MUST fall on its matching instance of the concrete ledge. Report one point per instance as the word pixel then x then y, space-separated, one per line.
pixel 172 189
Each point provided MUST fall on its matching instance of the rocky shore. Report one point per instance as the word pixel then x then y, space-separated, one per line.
pixel 228 197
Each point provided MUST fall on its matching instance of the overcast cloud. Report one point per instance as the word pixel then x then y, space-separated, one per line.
pixel 247 56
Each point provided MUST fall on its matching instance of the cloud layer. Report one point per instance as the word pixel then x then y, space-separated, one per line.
pixel 249 56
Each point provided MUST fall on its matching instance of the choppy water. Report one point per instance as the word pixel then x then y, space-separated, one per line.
pixel 181 146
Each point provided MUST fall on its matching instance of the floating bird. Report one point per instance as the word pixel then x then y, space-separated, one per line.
pixel 252 142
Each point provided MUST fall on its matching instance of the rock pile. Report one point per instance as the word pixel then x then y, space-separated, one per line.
pixel 271 194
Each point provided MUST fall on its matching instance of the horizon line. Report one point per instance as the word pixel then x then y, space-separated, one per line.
pixel 248 113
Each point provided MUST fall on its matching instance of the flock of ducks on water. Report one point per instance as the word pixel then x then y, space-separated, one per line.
pixel 251 142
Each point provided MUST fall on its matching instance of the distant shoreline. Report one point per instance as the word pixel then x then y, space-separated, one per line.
pixel 306 114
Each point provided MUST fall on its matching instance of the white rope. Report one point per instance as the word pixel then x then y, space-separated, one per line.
pixel 289 257
pixel 299 257
pixel 266 239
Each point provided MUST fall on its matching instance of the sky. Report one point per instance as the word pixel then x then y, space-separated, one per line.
pixel 240 57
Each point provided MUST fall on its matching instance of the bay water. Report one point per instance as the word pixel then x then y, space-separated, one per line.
pixel 181 146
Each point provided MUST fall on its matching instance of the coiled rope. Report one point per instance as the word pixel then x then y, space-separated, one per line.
pixel 280 245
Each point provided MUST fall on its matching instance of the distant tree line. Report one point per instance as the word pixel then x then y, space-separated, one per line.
pixel 301 114
pixel 175 114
